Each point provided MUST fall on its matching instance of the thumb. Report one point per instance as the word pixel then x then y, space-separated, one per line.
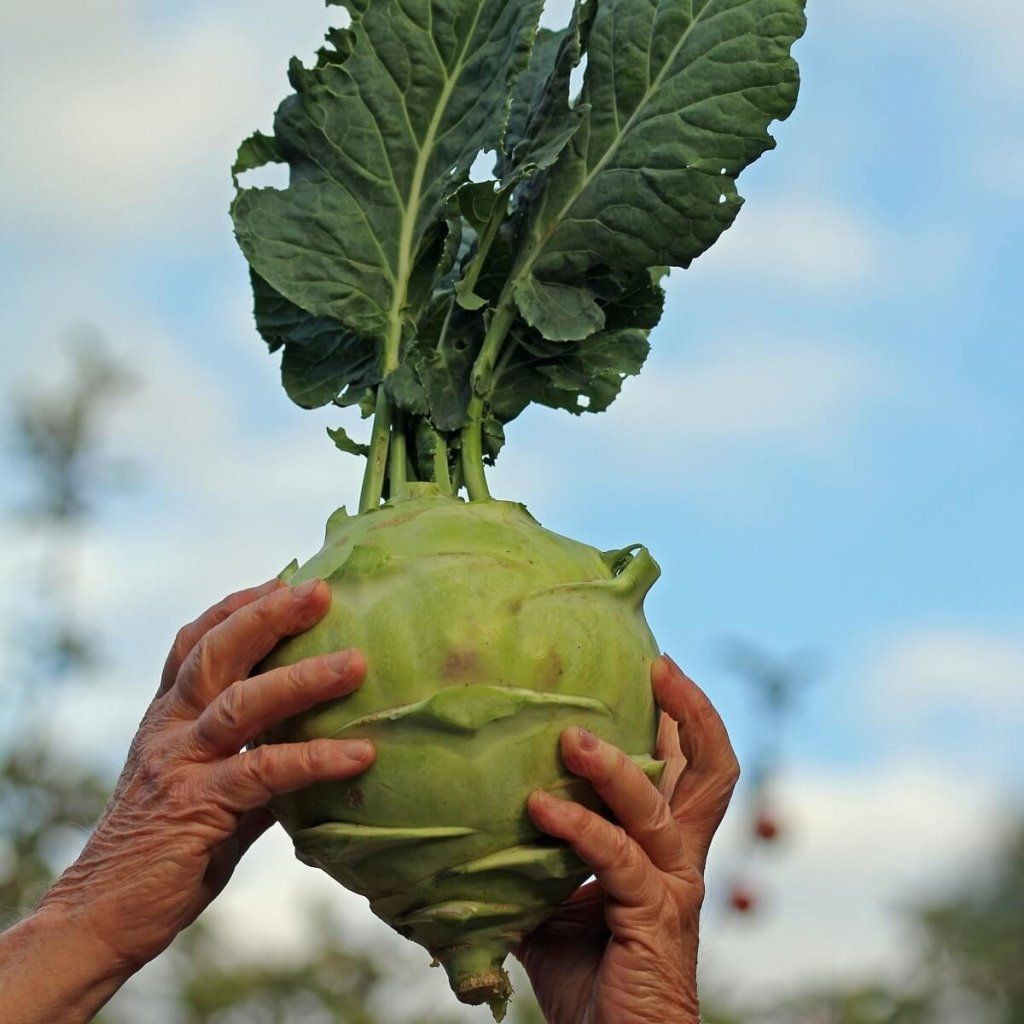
pixel 226 857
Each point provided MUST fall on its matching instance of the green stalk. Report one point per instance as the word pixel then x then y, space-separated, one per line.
pixel 397 468
pixel 483 371
pixel 490 232
pixel 377 460
pixel 441 475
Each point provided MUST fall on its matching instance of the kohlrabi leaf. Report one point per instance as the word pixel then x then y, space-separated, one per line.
pixel 433 381
pixel 586 375
pixel 560 312
pixel 378 136
pixel 541 121
pixel 442 306
pixel 321 357
pixel 680 96
pixel 345 443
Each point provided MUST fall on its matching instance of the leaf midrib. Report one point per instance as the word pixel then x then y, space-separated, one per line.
pixel 411 210
pixel 652 88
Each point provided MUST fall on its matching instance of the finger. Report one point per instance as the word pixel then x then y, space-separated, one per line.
pixel 188 636
pixel 229 651
pixel 250 779
pixel 251 706
pixel 621 868
pixel 703 792
pixel 636 803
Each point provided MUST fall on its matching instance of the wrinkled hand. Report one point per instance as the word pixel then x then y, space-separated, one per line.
pixel 623 948
pixel 189 803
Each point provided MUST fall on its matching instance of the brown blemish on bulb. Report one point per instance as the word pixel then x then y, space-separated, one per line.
pixel 460 664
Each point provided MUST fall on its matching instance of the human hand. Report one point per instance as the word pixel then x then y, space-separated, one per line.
pixel 623 948
pixel 189 804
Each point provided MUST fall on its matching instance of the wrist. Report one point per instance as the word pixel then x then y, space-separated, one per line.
pixel 55 970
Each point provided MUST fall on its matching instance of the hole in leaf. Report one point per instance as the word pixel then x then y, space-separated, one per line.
pixel 723 200
pixel 576 79
pixel 556 13
pixel 483 166
pixel 583 401
pixel 267 176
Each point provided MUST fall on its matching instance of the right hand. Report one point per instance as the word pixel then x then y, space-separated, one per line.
pixel 190 800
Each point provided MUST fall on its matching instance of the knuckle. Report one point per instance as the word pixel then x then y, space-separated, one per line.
pixel 298 677
pixel 231 708
pixel 731 771
pixel 182 640
pixel 314 757
pixel 661 818
pixel 690 887
pixel 259 764
pixel 226 607
pixel 205 657
pixel 620 845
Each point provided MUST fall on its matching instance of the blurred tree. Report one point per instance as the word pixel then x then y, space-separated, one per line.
pixel 870 1004
pixel 774 685
pixel 975 941
pixel 57 432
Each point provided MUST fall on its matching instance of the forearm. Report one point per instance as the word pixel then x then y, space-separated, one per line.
pixel 53 972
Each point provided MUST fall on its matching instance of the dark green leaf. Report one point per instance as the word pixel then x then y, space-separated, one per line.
pixel 321 357
pixel 680 98
pixel 377 143
pixel 257 151
pixel 560 312
pixel 405 389
pixel 541 121
pixel 345 443
pixel 314 375
pixel 445 375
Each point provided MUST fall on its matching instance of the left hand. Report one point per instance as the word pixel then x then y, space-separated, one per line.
pixel 623 949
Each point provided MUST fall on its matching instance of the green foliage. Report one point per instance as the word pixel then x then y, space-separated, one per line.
pixel 979 935
pixel 46 805
pixel 466 301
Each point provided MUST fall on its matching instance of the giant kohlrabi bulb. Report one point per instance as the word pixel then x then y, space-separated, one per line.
pixel 485 637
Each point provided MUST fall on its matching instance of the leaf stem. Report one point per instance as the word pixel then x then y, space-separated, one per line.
pixel 487 238
pixel 441 475
pixel 377 460
pixel 480 382
pixel 397 467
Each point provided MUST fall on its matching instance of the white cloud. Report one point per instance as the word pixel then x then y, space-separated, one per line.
pixel 989 33
pixel 807 241
pixel 811 245
pixel 808 395
pixel 950 669
pixel 119 124
pixel 862 848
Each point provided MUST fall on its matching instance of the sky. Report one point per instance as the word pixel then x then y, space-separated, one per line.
pixel 824 453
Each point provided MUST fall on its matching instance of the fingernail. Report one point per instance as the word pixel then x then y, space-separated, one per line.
pixel 675 667
pixel 304 590
pixel 587 740
pixel 339 662
pixel 541 797
pixel 357 750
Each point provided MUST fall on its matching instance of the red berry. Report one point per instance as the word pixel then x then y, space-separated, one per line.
pixel 766 828
pixel 742 900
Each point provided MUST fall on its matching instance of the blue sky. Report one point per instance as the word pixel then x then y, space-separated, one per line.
pixel 825 451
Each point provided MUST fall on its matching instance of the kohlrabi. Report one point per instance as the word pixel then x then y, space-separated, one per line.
pixel 442 307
